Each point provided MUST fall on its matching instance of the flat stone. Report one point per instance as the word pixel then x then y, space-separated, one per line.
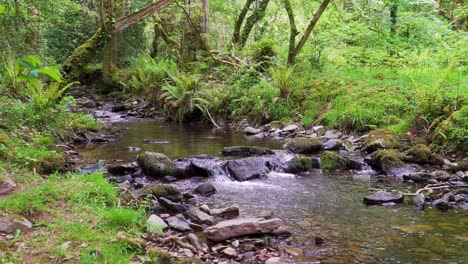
pixel 156 220
pixel 246 151
pixel 197 216
pixel 205 189
pixel 188 252
pixel 333 144
pixel 241 227
pixel 332 134
pixel 320 130
pixel 7 185
pixel 172 206
pixel 381 197
pixel 290 128
pixel 122 169
pixel 229 212
pixel 179 223
pixel 294 251
pixel 251 131
pixel 230 252
pixel 10 223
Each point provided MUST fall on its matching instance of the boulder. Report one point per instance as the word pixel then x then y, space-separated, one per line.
pixel 157 165
pixel 251 131
pixel 389 162
pixel 122 169
pixel 162 190
pixel 155 220
pixel 198 216
pixel 227 213
pixel 246 151
pixel 304 145
pixel 11 223
pixel 172 206
pixel 179 223
pixel 205 189
pixel 443 203
pixel 332 161
pixel 301 164
pixel 381 197
pixel 333 144
pixel 247 169
pixel 422 154
pixel 380 139
pixel 241 227
pixel 7 185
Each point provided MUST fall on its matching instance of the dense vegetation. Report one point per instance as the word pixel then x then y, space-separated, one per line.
pixel 351 65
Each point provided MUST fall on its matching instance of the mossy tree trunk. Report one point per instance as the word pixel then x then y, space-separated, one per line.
pixel 196 28
pixel 293 31
pixel 253 19
pixel 236 37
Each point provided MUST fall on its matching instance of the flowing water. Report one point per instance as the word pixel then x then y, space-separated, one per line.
pixel 329 205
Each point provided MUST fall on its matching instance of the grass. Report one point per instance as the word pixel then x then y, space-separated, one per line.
pixel 82 211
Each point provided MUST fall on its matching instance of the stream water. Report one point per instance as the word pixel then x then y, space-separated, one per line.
pixel 329 205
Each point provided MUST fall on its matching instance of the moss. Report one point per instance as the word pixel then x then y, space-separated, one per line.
pixel 332 161
pixel 304 145
pixel 157 165
pixel 386 160
pixel 4 143
pixel 52 163
pixel 381 139
pixel 461 165
pixel 300 164
pixel 422 154
pixel 162 190
pixel 450 134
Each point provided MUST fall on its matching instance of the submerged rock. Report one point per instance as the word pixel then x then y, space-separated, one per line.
pixel 157 165
pixel 11 223
pixel 381 197
pixel 247 169
pixel 381 139
pixel 304 145
pixel 246 151
pixel 241 227
pixel 205 189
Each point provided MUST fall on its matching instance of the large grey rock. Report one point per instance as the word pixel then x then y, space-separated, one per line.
pixel 333 144
pixel 247 169
pixel 419 200
pixel 198 216
pixel 251 131
pixel 304 145
pixel 7 185
pixel 443 202
pixel 246 151
pixel 241 227
pixel 156 220
pixel 157 165
pixel 172 206
pixel 122 169
pixel 381 197
pixel 179 223
pixel 11 223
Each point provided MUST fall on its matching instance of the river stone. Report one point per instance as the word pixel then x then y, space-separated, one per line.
pixel 171 206
pixel 195 242
pixel 205 189
pixel 156 220
pixel 7 185
pixel 230 252
pixel 251 131
pixel 381 197
pixel 333 144
pixel 179 223
pixel 332 134
pixel 380 139
pixel 122 169
pixel 443 202
pixel 290 128
pixel 389 162
pixel 241 227
pixel 162 190
pixel 157 165
pixel 247 169
pixel 246 151
pixel 228 213
pixel 301 164
pixel 419 177
pixel 419 201
pixel 304 145
pixel 10 223
pixel 332 161
pixel 204 208
pixel 198 216
pixel 320 130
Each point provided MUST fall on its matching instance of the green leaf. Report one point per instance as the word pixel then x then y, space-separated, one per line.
pixel 2 9
pixel 52 72
pixel 32 61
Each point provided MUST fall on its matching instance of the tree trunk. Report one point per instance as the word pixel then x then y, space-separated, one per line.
pixel 195 34
pixel 393 16
pixel 293 31
pixel 309 29
pixel 258 15
pixel 236 38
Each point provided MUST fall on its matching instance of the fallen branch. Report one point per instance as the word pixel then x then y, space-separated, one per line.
pixel 429 187
pixel 177 241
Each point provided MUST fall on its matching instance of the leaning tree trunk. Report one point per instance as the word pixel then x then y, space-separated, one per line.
pixel 253 19
pixel 293 31
pixel 74 65
pixel 236 37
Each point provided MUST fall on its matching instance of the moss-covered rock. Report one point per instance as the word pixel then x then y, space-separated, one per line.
pixel 162 190
pixel 461 165
pixel 304 145
pixel 381 139
pixel 4 142
pixel 332 161
pixel 300 164
pixel 422 154
pixel 51 163
pixel 157 165
pixel 451 134
pixel 386 160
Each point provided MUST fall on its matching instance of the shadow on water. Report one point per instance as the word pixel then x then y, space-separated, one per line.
pixel 329 205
